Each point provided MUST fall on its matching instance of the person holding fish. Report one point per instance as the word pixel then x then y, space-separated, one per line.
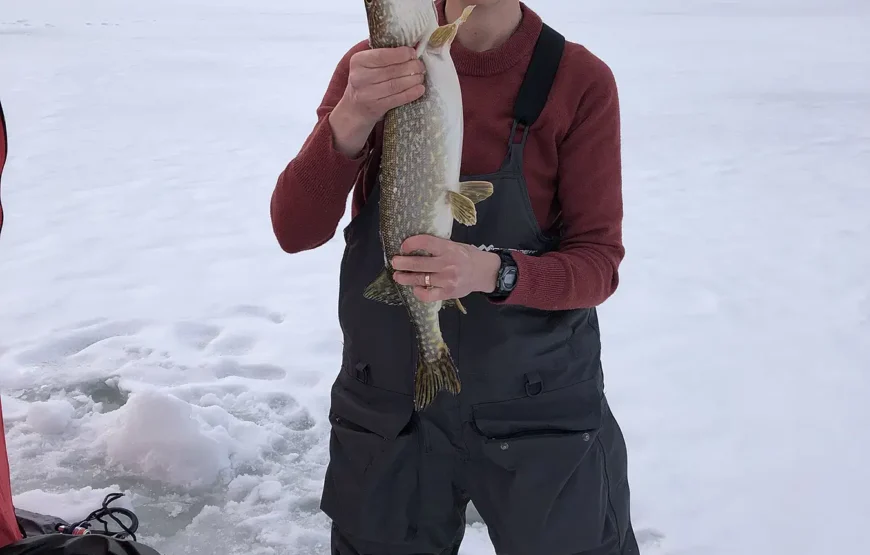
pixel 482 150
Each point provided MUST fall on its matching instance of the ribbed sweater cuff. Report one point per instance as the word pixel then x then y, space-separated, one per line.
pixel 325 173
pixel 540 284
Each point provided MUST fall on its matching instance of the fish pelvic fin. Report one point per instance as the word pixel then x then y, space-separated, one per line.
pixel 444 35
pixel 435 376
pixel 424 42
pixel 476 190
pixel 383 289
pixel 454 303
pixel 462 208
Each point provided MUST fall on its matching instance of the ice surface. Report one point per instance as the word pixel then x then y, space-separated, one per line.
pixel 155 340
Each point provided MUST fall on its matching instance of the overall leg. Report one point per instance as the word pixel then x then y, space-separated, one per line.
pixel 612 444
pixel 436 536
pixel 555 492
pixel 390 487
pixel 343 545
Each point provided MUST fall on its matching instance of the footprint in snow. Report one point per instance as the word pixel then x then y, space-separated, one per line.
pixel 196 335
pixel 232 345
pixel 56 349
pixel 649 537
pixel 265 372
pixel 254 311
pixel 82 324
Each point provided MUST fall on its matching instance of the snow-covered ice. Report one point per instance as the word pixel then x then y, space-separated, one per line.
pixel 155 340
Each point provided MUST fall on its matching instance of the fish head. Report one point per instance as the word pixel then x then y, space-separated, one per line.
pixel 395 23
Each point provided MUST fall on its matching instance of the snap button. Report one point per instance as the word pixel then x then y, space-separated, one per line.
pixel 504 445
pixel 586 436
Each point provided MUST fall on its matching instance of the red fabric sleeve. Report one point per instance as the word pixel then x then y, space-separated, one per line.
pixel 9 532
pixel 3 153
pixel 583 272
pixel 311 194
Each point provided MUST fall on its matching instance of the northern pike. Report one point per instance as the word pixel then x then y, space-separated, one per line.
pixel 419 176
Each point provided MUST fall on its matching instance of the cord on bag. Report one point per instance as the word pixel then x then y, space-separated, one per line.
pixel 84 527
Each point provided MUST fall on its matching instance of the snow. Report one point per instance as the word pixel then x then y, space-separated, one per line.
pixel 155 340
pixel 73 505
pixel 49 417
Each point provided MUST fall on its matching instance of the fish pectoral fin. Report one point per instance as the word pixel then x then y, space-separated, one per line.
pixel 454 303
pixel 476 190
pixel 444 35
pixel 383 289
pixel 463 209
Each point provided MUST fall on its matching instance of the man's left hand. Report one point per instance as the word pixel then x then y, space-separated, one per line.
pixel 454 269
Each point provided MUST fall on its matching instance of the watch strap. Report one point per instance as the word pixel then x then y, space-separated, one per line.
pixel 506 277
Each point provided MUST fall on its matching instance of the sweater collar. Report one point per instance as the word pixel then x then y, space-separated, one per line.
pixel 499 59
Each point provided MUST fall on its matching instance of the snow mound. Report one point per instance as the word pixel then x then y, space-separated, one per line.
pixel 50 417
pixel 157 436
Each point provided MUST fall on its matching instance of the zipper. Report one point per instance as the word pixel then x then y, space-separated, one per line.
pixel 585 434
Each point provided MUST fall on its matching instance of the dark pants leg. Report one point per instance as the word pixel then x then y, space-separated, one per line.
pixel 343 545
pixel 400 487
pixel 556 493
pixel 391 483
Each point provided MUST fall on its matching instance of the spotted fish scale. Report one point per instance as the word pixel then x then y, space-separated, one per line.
pixel 419 176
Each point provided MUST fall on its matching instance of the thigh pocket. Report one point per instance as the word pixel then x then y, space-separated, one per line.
pixel 541 476
pixel 370 490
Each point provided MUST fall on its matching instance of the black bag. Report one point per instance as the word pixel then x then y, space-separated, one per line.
pixel 49 535
pixel 64 544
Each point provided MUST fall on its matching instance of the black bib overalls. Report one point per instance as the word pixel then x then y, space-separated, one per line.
pixel 530 439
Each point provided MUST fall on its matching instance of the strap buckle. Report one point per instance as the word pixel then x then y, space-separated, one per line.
pixel 534 384
pixel 361 372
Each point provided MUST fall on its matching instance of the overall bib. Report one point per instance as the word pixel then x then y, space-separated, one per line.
pixel 530 439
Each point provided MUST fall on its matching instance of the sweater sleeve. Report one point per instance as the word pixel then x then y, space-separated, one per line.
pixel 311 194
pixel 583 272
pixel 4 151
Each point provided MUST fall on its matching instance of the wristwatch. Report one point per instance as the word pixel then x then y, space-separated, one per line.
pixel 506 278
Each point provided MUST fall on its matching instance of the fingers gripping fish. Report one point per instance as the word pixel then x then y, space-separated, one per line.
pixel 419 175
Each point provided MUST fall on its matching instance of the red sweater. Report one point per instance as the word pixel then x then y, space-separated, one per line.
pixel 3 154
pixel 9 532
pixel 572 166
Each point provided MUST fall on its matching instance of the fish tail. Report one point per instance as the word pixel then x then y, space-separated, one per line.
pixel 434 376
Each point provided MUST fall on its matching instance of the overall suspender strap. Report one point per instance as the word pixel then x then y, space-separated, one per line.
pixel 540 76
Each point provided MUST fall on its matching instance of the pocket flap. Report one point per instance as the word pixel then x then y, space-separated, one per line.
pixel 385 413
pixel 576 408
pixel 557 449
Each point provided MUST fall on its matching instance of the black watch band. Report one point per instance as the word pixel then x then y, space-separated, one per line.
pixel 506 278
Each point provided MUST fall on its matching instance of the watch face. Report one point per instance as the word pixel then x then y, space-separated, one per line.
pixel 510 278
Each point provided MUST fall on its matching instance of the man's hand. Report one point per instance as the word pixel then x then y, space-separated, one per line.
pixel 454 269
pixel 379 80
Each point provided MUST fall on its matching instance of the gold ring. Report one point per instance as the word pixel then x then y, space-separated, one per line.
pixel 426 280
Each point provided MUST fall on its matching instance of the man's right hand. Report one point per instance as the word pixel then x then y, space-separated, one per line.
pixel 379 80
